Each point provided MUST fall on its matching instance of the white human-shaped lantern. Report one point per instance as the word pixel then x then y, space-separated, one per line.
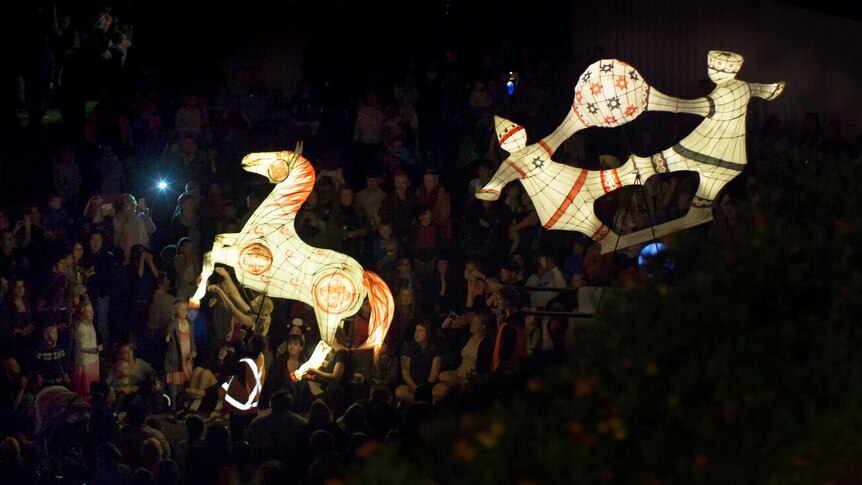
pixel 610 93
pixel 269 256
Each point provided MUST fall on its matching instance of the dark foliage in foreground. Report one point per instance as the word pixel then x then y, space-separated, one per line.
pixel 745 369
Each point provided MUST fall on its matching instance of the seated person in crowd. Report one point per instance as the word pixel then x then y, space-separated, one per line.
pixel 142 376
pixel 335 374
pixel 288 357
pixel 201 393
pixel 384 370
pixel 476 350
pixel 125 389
pixel 420 367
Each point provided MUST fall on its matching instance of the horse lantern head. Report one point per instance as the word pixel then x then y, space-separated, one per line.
pixel 273 165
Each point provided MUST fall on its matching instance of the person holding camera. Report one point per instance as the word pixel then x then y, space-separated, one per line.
pixel 132 225
pixel 477 347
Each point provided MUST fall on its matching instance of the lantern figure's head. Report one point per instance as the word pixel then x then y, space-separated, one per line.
pixel 510 135
pixel 722 66
pixel 512 138
pixel 273 165
pixel 609 93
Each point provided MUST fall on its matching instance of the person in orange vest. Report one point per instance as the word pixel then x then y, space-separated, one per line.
pixel 240 393
pixel 510 346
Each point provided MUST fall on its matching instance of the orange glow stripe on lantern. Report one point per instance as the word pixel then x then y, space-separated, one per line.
pixel 517 168
pixel 382 310
pixel 568 200
pixel 507 135
pixel 546 147
pixel 294 196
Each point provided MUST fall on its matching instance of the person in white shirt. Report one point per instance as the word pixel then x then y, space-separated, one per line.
pixel 370 198
pixel 547 275
pixel 132 225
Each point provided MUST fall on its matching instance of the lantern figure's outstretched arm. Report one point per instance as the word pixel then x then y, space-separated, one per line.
pixel 767 91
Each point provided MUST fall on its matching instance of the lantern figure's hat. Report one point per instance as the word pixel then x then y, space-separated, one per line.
pixel 724 61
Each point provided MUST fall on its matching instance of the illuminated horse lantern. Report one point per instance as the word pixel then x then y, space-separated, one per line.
pixel 268 256
pixel 611 93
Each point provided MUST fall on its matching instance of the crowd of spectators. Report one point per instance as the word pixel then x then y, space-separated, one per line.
pixel 95 331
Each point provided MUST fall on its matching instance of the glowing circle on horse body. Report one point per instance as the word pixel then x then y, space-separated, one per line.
pixel 255 258
pixel 610 93
pixel 335 293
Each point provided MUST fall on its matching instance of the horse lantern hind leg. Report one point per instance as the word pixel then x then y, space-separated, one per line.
pixel 381 309
pixel 216 255
pixel 314 362
pixel 326 323
pixel 334 295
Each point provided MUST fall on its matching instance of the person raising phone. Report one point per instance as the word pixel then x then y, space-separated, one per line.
pixel 132 225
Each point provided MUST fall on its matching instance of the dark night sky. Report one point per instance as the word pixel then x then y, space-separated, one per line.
pixel 170 32
pixel 843 9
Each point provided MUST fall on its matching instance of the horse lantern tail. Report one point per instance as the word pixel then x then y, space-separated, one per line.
pixel 382 310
